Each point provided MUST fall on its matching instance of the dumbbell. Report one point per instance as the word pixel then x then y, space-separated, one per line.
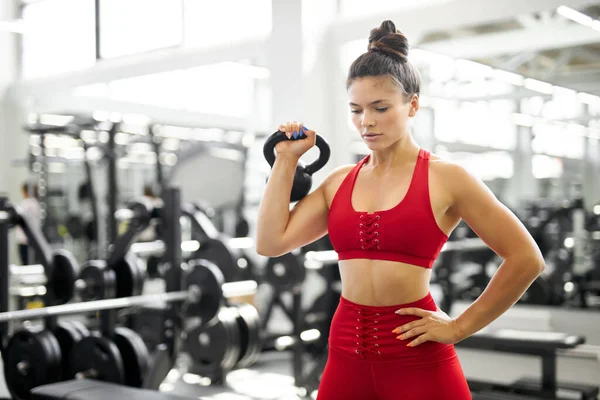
pixel 232 340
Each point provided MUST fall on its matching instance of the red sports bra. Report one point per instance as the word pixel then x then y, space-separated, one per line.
pixel 406 233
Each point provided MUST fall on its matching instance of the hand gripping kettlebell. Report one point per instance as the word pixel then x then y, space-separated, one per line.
pixel 303 175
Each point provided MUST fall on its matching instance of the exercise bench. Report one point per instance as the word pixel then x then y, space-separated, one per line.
pixel 88 389
pixel 535 343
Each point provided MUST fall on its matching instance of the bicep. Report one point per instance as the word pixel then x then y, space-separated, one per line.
pixel 491 220
pixel 307 222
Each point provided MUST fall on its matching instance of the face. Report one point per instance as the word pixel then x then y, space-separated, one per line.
pixel 380 111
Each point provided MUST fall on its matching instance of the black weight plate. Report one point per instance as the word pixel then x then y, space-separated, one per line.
pixel 100 281
pixel 205 275
pixel 98 358
pixel 130 278
pixel 215 345
pixel 249 324
pixel 134 354
pixel 219 253
pixel 285 272
pixel 31 359
pixel 61 283
pixel 67 335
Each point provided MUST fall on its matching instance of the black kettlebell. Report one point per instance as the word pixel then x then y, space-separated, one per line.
pixel 303 174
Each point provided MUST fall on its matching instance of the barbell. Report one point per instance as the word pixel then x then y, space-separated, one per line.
pixel 205 285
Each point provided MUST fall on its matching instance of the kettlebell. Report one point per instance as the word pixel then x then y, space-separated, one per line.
pixel 303 175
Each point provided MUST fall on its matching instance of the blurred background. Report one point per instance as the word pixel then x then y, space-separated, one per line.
pixel 103 101
pixel 185 91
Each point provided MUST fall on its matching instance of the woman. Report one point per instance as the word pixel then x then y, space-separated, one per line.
pixel 388 217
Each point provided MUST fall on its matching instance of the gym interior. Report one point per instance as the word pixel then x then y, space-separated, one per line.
pixel 137 132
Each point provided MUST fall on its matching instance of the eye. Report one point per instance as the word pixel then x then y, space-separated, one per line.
pixel 355 111
pixel 383 109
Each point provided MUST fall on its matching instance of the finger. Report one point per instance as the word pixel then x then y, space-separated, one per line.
pixel 413 311
pixel 288 129
pixel 420 340
pixel 301 130
pixel 295 128
pixel 309 133
pixel 412 333
pixel 281 128
pixel 410 325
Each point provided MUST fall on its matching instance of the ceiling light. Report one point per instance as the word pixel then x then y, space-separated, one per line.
pixel 575 15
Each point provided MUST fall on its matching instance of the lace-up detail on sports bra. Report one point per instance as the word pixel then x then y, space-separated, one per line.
pixel 369 234
pixel 367 331
pixel 406 233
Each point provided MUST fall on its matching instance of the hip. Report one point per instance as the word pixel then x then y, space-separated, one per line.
pixel 366 332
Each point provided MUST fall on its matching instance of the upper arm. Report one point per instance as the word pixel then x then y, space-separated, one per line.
pixel 308 217
pixel 491 220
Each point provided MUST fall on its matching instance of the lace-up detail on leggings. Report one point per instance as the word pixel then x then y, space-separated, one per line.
pixel 369 236
pixel 367 331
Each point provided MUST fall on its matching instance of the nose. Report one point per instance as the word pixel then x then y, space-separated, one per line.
pixel 367 120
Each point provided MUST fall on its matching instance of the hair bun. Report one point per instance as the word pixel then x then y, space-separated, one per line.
pixel 389 40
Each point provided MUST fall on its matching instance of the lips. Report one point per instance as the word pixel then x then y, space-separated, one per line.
pixel 370 134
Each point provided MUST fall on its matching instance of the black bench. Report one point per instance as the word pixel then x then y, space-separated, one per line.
pixel 95 390
pixel 502 396
pixel 541 344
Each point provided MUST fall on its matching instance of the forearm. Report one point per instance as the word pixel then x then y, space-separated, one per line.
pixel 274 210
pixel 506 287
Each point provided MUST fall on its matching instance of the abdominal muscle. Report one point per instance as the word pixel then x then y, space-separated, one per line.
pixel 383 283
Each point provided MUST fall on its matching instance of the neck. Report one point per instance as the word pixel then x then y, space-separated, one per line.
pixel 403 151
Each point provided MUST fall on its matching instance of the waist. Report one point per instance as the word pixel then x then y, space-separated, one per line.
pixel 424 262
pixel 365 331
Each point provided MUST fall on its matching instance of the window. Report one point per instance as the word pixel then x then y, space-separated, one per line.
pixel 135 26
pixel 487 166
pixel 543 167
pixel 60 37
pixel 215 23
pixel 479 123
pixel 225 88
pixel 560 140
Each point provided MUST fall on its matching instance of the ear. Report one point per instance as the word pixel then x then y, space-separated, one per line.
pixel 414 106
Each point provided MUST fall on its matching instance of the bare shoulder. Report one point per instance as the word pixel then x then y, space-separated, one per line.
pixel 449 171
pixel 334 180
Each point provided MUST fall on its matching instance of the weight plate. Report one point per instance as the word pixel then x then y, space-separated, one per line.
pixel 99 281
pixel 67 335
pixel 285 272
pixel 130 278
pixel 31 359
pixel 134 354
pixel 96 357
pixel 218 252
pixel 249 324
pixel 61 283
pixel 205 275
pixel 215 346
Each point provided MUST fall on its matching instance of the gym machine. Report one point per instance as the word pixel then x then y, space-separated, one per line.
pixel 34 356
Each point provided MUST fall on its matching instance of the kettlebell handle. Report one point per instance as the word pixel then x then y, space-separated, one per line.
pixel 278 136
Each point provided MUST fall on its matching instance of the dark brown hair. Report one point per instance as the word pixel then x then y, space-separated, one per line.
pixel 387 54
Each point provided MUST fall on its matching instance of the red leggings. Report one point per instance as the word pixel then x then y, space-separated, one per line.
pixel 367 362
